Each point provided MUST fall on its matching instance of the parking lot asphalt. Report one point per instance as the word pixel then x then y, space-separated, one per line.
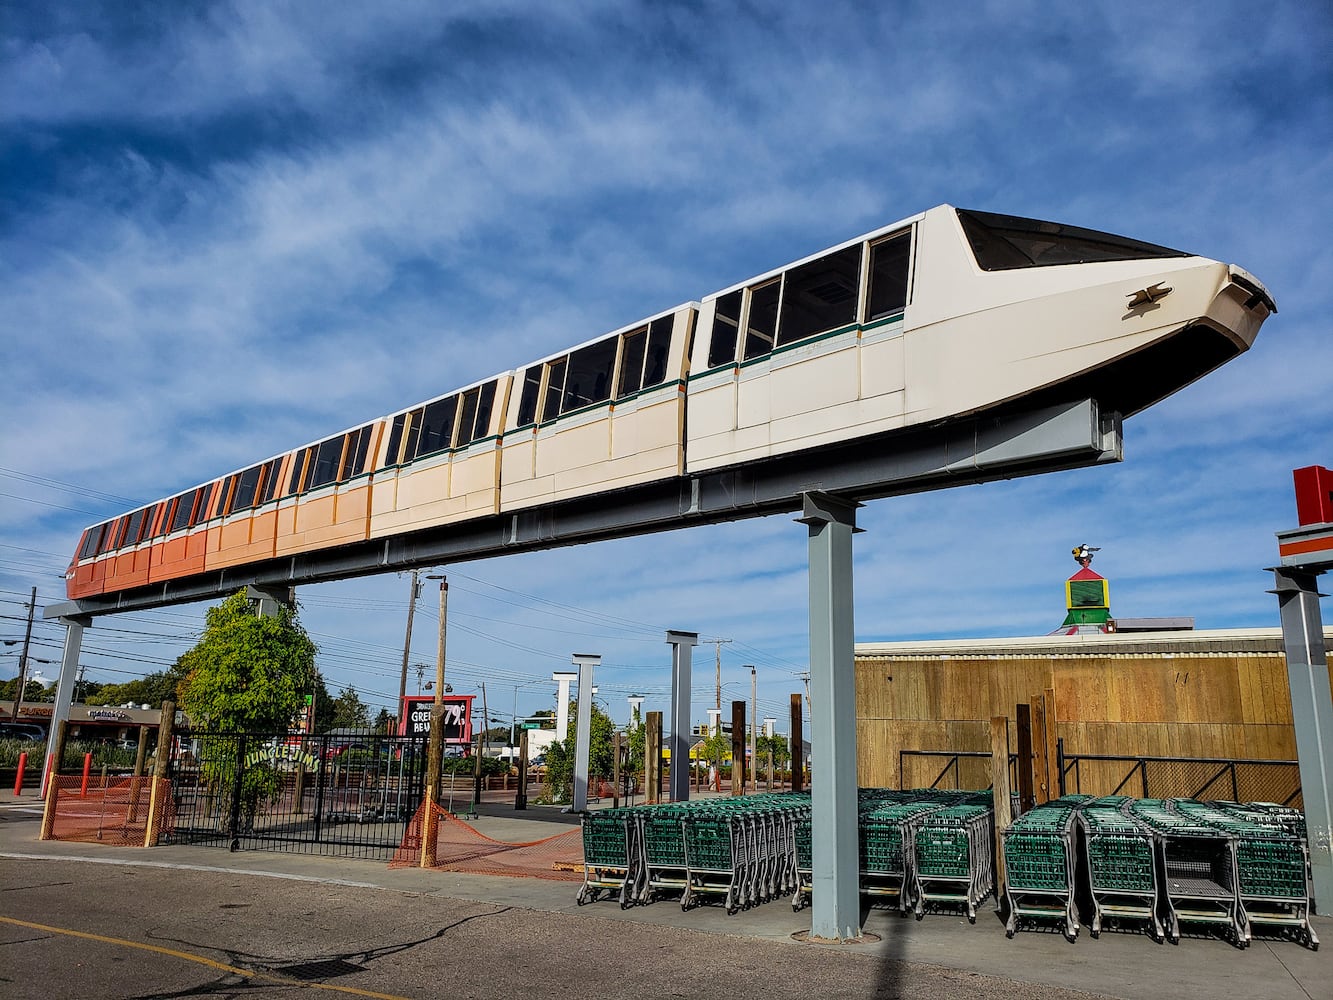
pixel 1125 964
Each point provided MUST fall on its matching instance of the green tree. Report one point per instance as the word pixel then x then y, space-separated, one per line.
pixel 560 754
pixel 349 711
pixel 717 748
pixel 775 744
pixel 384 722
pixel 247 674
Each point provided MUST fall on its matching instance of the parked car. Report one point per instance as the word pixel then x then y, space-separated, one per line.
pixel 22 731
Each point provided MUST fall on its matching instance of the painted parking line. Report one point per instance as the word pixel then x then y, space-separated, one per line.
pixel 199 960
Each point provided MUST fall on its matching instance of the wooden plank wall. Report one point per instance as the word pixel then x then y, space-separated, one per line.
pixel 1188 705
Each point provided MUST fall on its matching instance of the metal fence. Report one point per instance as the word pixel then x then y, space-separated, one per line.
pixel 969 769
pixel 1235 780
pixel 339 794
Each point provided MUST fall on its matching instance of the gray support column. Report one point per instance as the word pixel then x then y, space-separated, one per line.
pixel 682 644
pixel 562 678
pixel 1312 715
pixel 583 728
pixel 270 599
pixel 835 913
pixel 69 673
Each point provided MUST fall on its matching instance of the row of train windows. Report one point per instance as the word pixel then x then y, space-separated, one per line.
pixel 334 460
pixel 616 366
pixel 453 422
pixel 810 299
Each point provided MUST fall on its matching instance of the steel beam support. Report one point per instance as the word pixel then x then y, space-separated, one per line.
pixel 1312 716
pixel 69 675
pixel 835 894
pixel 978 449
pixel 269 600
pixel 682 646
pixel 585 662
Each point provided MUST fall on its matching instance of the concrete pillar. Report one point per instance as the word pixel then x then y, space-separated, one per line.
pixel 682 646
pixel 69 673
pixel 564 679
pixel 835 898
pixel 1312 716
pixel 586 662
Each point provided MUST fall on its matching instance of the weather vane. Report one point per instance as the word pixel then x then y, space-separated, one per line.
pixel 1083 554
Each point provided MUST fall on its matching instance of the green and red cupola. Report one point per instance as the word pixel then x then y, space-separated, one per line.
pixel 1087 598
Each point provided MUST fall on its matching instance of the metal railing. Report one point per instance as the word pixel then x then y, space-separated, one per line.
pixel 1232 779
pixel 330 794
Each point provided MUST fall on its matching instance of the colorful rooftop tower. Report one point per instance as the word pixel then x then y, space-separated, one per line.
pixel 1087 598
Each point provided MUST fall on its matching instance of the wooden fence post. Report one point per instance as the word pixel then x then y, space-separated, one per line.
pixel 1023 726
pixel 1040 763
pixel 999 772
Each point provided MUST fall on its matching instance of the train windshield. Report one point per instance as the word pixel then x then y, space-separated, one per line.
pixel 1006 242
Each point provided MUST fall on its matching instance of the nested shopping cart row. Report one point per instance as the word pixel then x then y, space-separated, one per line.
pixel 918 848
pixel 741 849
pixel 1171 865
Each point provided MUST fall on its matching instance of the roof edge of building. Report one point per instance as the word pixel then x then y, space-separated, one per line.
pixel 1246 640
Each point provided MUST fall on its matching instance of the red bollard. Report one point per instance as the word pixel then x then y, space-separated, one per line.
pixel 18 779
pixel 87 770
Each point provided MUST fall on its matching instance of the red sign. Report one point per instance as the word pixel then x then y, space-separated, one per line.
pixel 415 717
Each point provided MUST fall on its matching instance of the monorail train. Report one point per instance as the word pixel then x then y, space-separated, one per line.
pixel 943 315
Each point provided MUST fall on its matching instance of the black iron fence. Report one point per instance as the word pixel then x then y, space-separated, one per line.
pixel 346 794
pixel 1235 780
pixel 949 769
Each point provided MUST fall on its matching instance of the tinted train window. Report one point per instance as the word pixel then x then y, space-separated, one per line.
pixel 1004 242
pixel 589 377
pixel 246 489
pixel 413 432
pixel 324 469
pixel 363 449
pixel 270 488
pixel 761 324
pixel 89 544
pixel 726 323
pixel 555 388
pixel 820 295
pixel 468 417
pixel 631 363
pixel 437 426
pixel 527 403
pixel 476 421
pixel 298 469
pixel 888 276
pixel 133 528
pixel 91 540
pixel 659 349
pixel 184 510
pixel 207 494
pixel 395 439
pixel 104 540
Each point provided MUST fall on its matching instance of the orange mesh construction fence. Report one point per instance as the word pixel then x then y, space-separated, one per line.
pixel 460 848
pixel 114 811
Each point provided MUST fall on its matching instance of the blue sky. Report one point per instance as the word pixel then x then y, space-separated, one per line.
pixel 229 229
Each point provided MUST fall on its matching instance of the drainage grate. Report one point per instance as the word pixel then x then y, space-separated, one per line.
pixel 326 969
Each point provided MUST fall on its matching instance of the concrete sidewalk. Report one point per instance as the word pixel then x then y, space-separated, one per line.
pixel 1127 964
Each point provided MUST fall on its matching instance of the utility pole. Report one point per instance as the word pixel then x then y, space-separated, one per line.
pixel 439 651
pixel 23 659
pixel 407 647
pixel 717 646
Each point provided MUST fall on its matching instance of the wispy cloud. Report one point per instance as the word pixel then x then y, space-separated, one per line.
pixel 230 230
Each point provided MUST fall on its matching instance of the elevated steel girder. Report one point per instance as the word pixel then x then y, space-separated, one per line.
pixel 982 448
